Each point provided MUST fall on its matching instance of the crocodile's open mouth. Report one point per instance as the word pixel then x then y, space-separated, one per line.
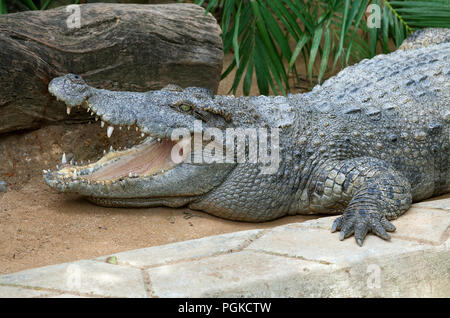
pixel 153 172
pixel 151 157
pixel 147 159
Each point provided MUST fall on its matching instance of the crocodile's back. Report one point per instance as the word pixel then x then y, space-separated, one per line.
pixel 393 107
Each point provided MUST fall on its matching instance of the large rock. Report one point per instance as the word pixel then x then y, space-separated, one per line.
pixel 117 46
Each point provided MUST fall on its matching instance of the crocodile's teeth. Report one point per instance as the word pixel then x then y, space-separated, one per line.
pixel 63 159
pixel 75 175
pixel 137 128
pixel 111 148
pixel 102 124
pixel 92 113
pixel 104 152
pixel 68 109
pixel 142 134
pixel 130 174
pixel 109 131
pixel 96 118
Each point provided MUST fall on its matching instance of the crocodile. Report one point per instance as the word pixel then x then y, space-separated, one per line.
pixel 366 144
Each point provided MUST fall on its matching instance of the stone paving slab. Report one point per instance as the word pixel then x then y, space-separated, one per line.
pixel 426 225
pixel 186 250
pixel 241 274
pixel 442 202
pixel 65 295
pixel 322 246
pixel 20 292
pixel 294 260
pixel 81 278
pixel 253 274
pixel 421 224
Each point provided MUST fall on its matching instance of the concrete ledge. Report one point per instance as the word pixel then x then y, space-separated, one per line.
pixel 80 278
pixel 294 260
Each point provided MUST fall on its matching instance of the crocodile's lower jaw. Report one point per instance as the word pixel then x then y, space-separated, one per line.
pixel 141 202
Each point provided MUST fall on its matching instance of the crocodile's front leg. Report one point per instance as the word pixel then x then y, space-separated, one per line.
pixel 368 190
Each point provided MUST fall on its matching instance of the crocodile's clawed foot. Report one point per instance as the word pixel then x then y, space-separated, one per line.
pixel 360 223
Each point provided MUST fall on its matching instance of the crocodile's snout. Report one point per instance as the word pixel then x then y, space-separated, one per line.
pixel 71 89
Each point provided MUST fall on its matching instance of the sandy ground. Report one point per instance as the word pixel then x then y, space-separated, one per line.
pixel 40 227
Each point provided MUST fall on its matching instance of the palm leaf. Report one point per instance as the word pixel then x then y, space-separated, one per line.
pixel 3 9
pixel 260 32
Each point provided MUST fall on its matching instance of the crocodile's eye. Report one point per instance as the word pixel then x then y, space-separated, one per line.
pixel 76 79
pixel 185 107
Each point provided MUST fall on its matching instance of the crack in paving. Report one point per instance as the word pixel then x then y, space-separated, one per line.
pixel 246 242
pixel 147 284
pixel 291 256
pixel 239 248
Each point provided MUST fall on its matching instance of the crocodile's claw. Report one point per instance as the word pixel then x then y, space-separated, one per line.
pixel 360 223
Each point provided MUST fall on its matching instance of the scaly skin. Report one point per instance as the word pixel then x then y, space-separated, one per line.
pixel 366 143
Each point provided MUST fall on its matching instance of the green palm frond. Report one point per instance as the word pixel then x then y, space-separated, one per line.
pixel 3 9
pixel 24 5
pixel 268 36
